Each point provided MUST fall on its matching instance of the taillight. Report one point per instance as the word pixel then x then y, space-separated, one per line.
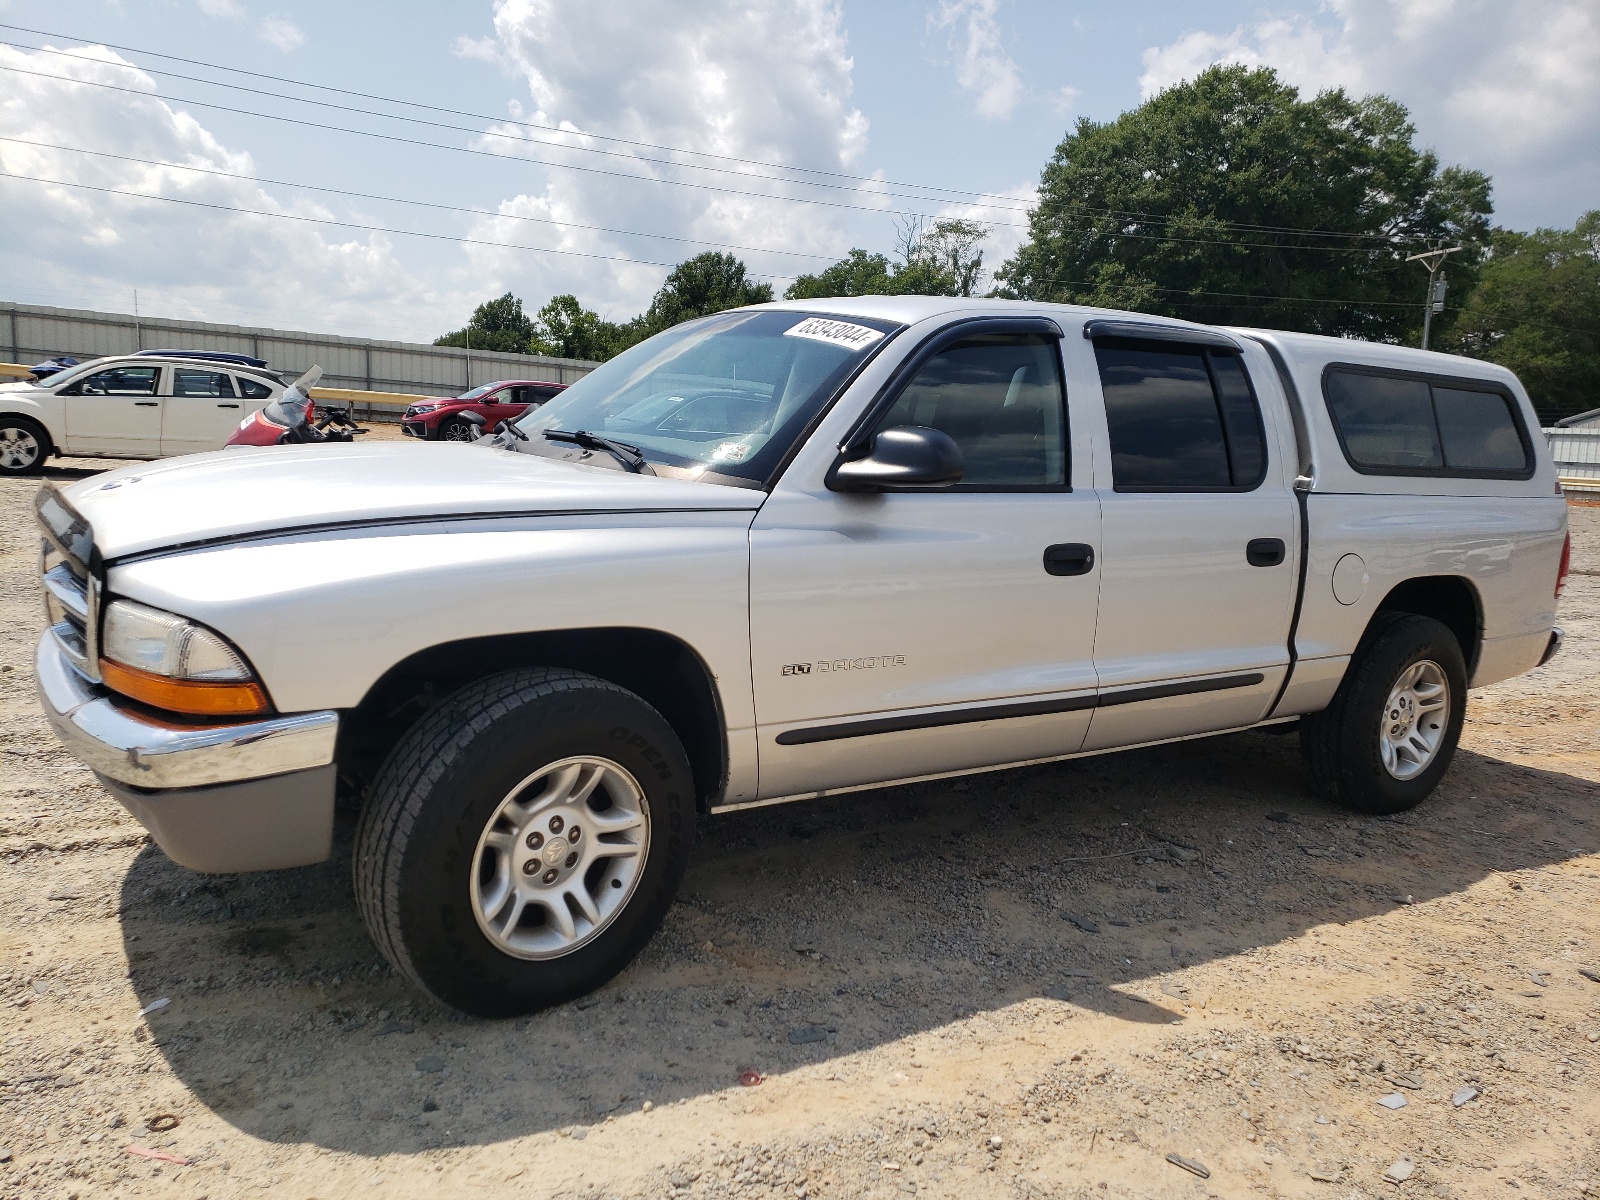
pixel 1565 567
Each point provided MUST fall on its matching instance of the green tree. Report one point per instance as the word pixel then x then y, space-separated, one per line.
pixel 565 329
pixel 938 258
pixel 1201 203
pixel 495 325
pixel 856 274
pixel 707 283
pixel 1536 310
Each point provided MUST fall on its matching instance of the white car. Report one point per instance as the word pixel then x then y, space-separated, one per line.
pixel 130 406
pixel 779 553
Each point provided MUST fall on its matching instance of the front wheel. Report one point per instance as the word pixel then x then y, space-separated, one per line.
pixel 524 841
pixel 457 430
pixel 24 445
pixel 1388 737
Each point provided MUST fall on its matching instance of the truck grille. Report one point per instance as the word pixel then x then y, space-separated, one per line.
pixel 71 585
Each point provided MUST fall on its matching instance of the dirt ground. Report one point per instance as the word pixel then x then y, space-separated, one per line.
pixel 1041 983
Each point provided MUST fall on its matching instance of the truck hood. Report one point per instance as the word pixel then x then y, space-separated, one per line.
pixel 209 498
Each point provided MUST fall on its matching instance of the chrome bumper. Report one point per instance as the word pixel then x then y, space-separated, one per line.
pixel 1557 636
pixel 145 752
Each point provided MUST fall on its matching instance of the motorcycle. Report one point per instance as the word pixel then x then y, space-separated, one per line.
pixel 291 420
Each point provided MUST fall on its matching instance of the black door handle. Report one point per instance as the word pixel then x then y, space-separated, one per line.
pixel 146 404
pixel 1264 552
pixel 1069 558
pixel 227 406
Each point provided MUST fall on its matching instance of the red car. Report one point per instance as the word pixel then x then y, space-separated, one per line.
pixel 440 420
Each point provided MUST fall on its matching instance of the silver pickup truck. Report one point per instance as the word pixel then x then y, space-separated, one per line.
pixel 778 553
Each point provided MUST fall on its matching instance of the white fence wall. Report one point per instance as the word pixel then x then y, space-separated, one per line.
pixel 31 333
pixel 1577 455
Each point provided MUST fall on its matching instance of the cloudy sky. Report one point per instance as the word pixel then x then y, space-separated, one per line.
pixel 376 169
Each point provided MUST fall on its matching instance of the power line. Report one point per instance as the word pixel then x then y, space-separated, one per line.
pixel 553 144
pixel 517 158
pixel 483 212
pixel 437 237
pixel 639 178
pixel 478 116
pixel 602 257
pixel 858 179
pixel 1178 291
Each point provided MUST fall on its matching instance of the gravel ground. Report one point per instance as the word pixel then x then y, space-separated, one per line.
pixel 1059 981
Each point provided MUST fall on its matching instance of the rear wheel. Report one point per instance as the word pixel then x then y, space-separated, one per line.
pixel 457 430
pixel 524 840
pixel 1388 737
pixel 24 445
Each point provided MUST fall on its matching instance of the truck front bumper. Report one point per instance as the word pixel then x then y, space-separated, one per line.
pixel 250 796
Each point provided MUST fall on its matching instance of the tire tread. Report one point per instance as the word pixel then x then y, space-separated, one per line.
pixel 400 789
pixel 1325 736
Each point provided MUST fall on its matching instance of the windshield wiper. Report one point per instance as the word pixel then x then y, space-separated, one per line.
pixel 631 457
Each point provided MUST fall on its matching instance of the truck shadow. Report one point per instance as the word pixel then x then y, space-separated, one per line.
pixel 806 933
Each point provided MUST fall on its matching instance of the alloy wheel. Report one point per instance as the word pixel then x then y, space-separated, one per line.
pixel 560 857
pixel 1414 719
pixel 19 448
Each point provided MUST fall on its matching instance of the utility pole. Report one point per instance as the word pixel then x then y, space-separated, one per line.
pixel 1434 261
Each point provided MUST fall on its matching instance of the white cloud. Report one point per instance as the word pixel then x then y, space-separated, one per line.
pixel 484 49
pixel 766 80
pixel 230 10
pixel 82 248
pixel 983 66
pixel 281 33
pixel 1065 100
pixel 1512 89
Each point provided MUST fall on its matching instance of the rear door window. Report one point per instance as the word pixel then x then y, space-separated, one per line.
pixel 1405 424
pixel 252 389
pixel 1181 418
pixel 186 381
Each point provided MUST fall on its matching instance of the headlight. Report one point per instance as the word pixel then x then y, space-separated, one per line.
pixel 168 662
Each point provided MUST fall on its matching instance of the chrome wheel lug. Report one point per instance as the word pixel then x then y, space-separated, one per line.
pixel 556 824
pixel 535 840
pixel 574 834
pixel 551 875
pixel 572 860
pixel 531 867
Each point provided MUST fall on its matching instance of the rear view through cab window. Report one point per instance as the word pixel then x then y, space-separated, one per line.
pixel 1398 424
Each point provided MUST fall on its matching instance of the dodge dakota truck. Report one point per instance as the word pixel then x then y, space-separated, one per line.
pixel 784 552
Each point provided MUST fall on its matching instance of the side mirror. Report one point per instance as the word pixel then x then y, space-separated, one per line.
pixel 905 456
pixel 476 420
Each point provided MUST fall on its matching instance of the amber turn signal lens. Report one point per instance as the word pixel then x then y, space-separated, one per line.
pixel 182 696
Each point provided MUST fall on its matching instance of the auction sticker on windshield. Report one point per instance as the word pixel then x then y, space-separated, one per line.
pixel 837 333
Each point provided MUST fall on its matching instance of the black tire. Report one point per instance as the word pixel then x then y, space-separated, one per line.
pixel 439 790
pixel 1342 744
pixel 24 445
pixel 457 430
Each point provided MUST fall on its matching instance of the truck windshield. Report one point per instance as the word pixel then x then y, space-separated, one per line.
pixel 722 398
